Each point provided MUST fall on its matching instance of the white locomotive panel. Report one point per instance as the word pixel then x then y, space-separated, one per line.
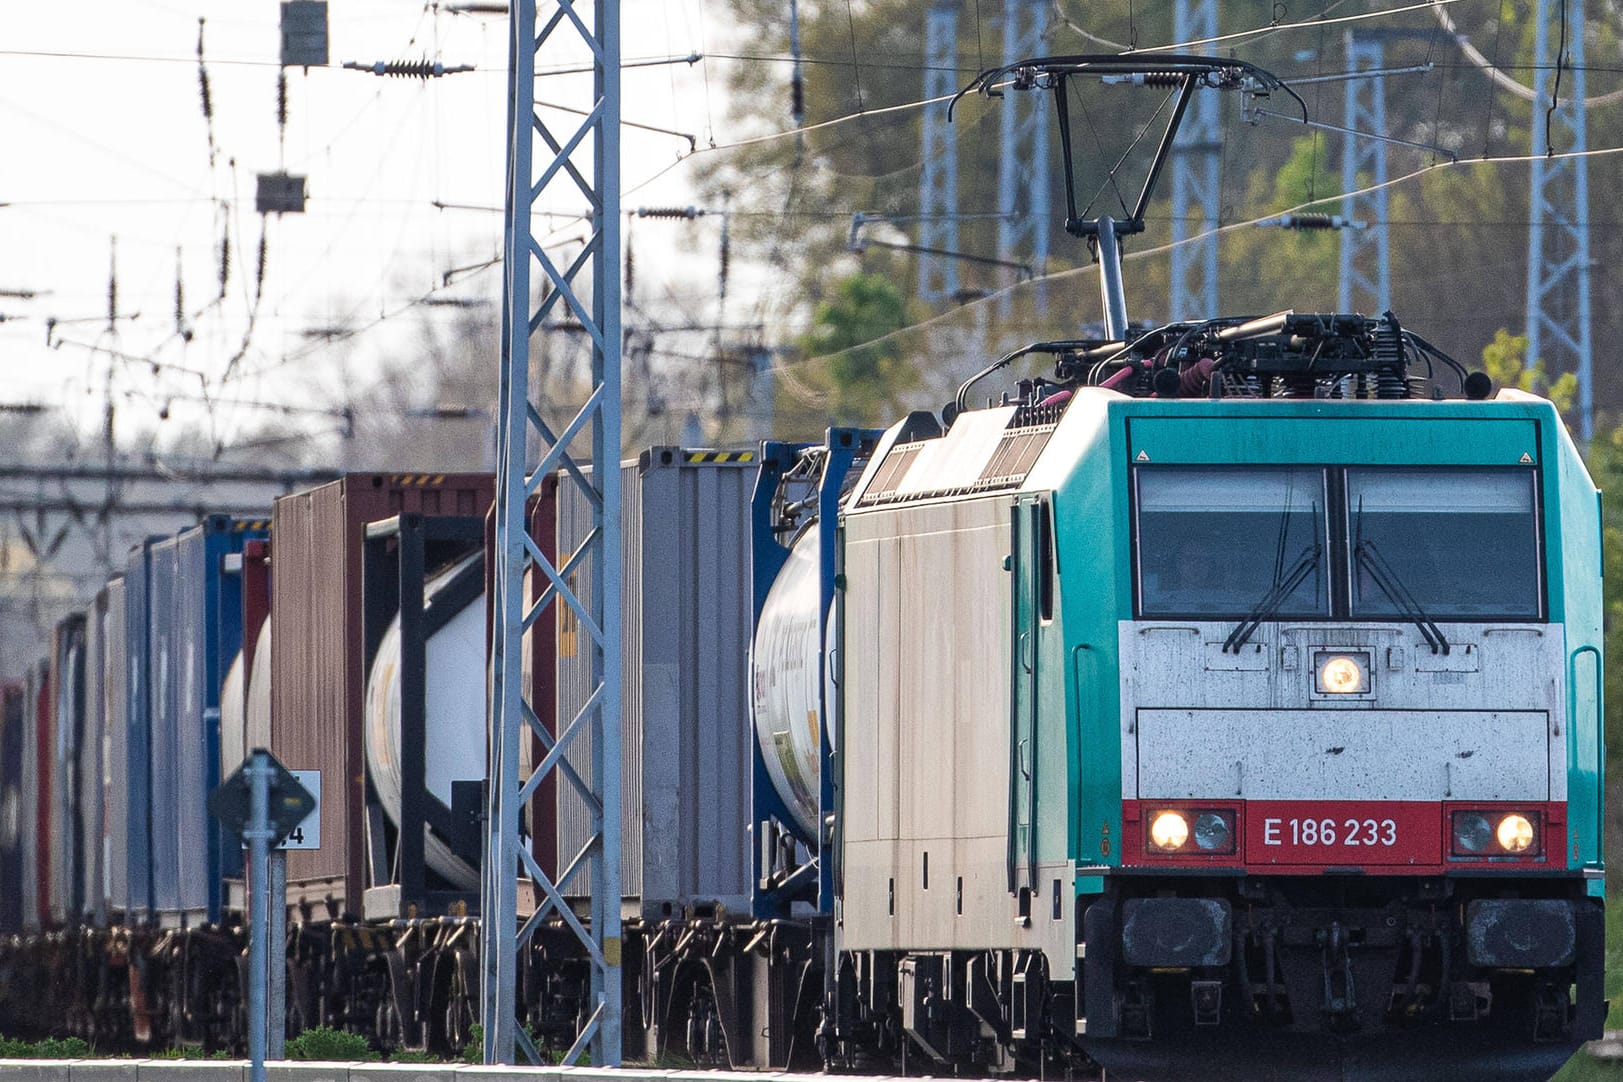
pixel 1369 755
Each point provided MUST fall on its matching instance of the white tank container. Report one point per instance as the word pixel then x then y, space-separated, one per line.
pixel 454 702
pixel 784 674
pixel 240 733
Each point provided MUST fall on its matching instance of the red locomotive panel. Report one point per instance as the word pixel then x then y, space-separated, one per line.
pixel 1343 833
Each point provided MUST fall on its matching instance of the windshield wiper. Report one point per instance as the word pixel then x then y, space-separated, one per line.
pixel 1392 586
pixel 1282 588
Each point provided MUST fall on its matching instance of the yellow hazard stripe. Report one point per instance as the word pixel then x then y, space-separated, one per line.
pixel 721 456
pixel 419 480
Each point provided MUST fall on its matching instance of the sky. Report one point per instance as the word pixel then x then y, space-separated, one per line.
pixel 112 170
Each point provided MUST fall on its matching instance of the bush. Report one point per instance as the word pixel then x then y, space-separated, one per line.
pixel 322 1043
pixel 50 1048
pixel 412 1055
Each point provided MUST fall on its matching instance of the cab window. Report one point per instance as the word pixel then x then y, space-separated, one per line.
pixel 1218 542
pixel 1454 543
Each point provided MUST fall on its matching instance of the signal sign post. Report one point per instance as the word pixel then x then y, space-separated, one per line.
pixel 260 802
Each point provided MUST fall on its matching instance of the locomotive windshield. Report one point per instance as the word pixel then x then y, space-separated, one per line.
pixel 1245 543
pixel 1214 542
pixel 1462 542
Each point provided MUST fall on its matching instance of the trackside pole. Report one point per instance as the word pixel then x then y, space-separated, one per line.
pixel 258 836
pixel 276 960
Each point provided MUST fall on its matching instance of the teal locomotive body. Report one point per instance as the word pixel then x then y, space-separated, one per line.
pixel 1193 729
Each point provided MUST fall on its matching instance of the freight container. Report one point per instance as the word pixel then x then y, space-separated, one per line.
pixel 36 802
pixel 539 665
pixel 318 664
pixel 66 734
pixel 13 717
pixel 685 729
pixel 245 696
pixel 92 747
pixel 423 623
pixel 195 621
pixel 126 773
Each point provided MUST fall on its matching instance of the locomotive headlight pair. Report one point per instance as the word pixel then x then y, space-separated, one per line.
pixel 1495 834
pixel 1191 831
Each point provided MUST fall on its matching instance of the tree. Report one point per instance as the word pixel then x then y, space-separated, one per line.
pixel 866 375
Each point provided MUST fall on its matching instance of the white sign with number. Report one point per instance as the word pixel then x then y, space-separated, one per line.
pixel 307 835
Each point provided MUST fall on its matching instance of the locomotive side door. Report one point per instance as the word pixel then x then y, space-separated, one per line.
pixel 1026 566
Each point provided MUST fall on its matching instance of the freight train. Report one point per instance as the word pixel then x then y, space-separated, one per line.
pixel 1217 697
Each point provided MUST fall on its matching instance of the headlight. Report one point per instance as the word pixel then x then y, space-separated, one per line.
pixel 1214 833
pixel 1472 832
pixel 1495 834
pixel 1168 831
pixel 1515 834
pixel 1342 674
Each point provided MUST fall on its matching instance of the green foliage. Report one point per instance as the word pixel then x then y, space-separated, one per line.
pixel 412 1055
pixel 50 1048
pixel 1505 360
pixel 324 1043
pixel 474 1050
pixel 1305 176
pixel 180 1051
pixel 848 330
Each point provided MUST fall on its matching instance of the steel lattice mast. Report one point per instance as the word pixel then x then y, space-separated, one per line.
pixel 589 148
pixel 1023 167
pixel 1197 198
pixel 1558 302
pixel 1363 164
pixel 938 183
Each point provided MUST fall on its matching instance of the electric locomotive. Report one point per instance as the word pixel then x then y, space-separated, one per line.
pixel 1226 699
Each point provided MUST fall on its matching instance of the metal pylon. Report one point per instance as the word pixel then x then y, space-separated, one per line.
pixel 588 148
pixel 1363 163
pixel 1197 197
pixel 1558 312
pixel 938 183
pixel 1023 167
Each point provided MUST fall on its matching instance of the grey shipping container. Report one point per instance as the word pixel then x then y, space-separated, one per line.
pixel 685 728
pixel 115 756
pixel 318 660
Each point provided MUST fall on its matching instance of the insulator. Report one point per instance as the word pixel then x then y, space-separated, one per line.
pixel 797 98
pixel 1163 78
pixel 180 296
pixel 281 100
pixel 203 76
pixel 668 212
pixel 259 270
pixel 409 69
pixel 1389 384
pixel 225 257
pixel 1310 221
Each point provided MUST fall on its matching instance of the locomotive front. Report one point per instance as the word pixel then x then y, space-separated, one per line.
pixel 1360 744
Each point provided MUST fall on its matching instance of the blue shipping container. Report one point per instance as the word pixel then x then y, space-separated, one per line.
pixel 127 770
pixel 196 629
